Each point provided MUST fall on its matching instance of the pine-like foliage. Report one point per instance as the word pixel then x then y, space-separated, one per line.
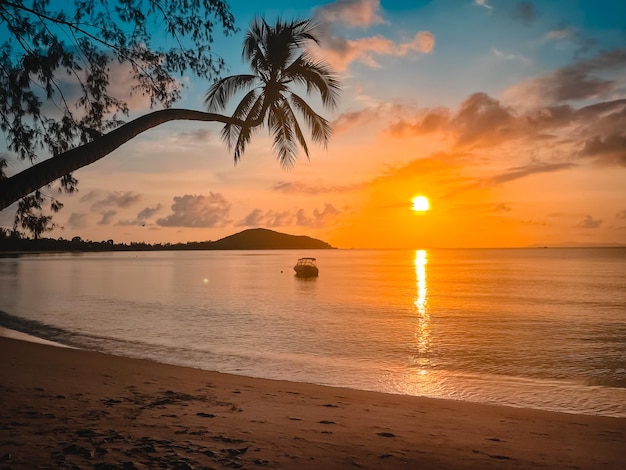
pixel 56 64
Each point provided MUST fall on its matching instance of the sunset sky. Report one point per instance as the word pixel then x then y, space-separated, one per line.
pixel 509 116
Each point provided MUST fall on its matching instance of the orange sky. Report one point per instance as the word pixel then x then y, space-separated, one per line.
pixel 508 115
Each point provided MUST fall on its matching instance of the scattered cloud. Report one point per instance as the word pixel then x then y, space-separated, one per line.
pixel 320 218
pixel 597 77
pixel 351 13
pixel 609 148
pixel 77 220
pixel 122 85
pixel 340 52
pixel 483 3
pixel 317 219
pixel 503 55
pixel 530 169
pixel 590 222
pixel 107 217
pixel 142 216
pixel 299 187
pixel 502 208
pixel 198 211
pixel 105 199
pixel 480 120
pixel 374 113
pixel 196 135
pixel 560 33
pixel 593 133
pixel 572 35
pixel 525 12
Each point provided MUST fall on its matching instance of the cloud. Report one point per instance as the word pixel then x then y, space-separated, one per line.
pixel 318 218
pixel 341 52
pixel 530 169
pixel 610 148
pixel 196 135
pixel 583 42
pixel 525 12
pixel 483 3
pixel 77 220
pixel 105 199
pixel 594 132
pixel 561 33
pixel 198 211
pixel 121 85
pixel 299 187
pixel 590 222
pixel 503 55
pixel 148 212
pixel 592 78
pixel 352 119
pixel 351 13
pixel 480 119
pixel 424 122
pixel 107 217
pixel 142 216
pixel 621 215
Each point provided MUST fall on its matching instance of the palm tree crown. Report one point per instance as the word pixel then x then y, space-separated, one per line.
pixel 279 62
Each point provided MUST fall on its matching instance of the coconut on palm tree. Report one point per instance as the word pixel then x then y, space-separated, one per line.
pixel 280 66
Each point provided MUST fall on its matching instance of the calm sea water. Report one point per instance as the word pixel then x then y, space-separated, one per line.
pixel 538 328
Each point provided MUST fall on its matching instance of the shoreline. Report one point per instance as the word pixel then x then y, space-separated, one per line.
pixel 66 407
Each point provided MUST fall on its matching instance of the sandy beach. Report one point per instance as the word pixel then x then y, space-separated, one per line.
pixel 64 408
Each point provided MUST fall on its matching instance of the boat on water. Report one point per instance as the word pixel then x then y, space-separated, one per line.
pixel 306 267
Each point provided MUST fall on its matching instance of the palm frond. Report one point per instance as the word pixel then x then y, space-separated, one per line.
pixel 296 128
pixel 280 126
pixel 321 129
pixel 315 76
pixel 221 91
pixel 230 132
pixel 278 61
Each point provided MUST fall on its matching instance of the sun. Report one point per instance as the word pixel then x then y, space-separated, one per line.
pixel 420 204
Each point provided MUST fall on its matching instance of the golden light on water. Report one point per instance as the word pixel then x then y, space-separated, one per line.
pixel 421 204
pixel 421 302
pixel 420 274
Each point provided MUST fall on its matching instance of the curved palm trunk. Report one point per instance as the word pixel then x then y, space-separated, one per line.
pixel 47 171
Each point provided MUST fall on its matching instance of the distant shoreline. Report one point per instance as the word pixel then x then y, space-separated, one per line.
pixel 251 239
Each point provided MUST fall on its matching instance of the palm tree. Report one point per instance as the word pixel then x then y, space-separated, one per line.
pixel 279 62
pixel 272 52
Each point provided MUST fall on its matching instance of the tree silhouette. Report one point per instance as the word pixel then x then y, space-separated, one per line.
pixel 279 63
pixel 54 56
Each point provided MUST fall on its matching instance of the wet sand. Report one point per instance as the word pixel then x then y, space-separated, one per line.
pixel 65 408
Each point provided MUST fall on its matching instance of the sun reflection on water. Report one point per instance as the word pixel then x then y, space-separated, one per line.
pixel 422 331
pixel 421 302
pixel 420 273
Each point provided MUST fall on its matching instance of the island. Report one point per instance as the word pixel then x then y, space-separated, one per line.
pixel 250 239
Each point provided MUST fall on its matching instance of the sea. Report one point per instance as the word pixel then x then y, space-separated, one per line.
pixel 541 328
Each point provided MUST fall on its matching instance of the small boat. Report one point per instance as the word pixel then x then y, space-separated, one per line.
pixel 306 267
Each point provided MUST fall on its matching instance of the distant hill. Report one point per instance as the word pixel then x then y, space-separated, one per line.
pixel 252 239
pixel 264 239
